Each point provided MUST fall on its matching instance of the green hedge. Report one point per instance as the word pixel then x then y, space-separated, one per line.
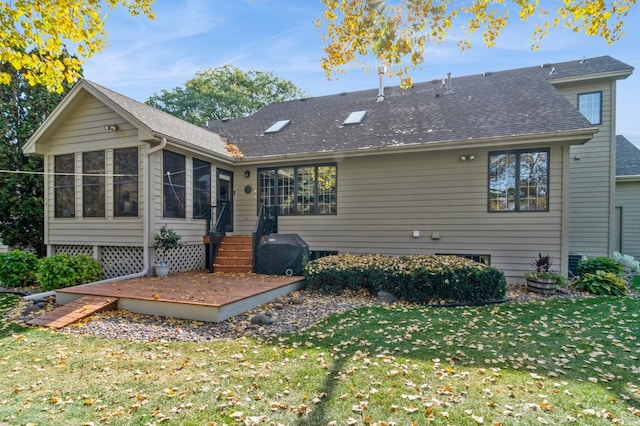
pixel 417 278
pixel 18 268
pixel 65 270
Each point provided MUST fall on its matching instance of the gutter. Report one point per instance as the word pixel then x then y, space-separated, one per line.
pixel 145 225
pixel 627 178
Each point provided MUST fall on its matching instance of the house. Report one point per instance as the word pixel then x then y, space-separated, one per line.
pixel 497 166
pixel 627 214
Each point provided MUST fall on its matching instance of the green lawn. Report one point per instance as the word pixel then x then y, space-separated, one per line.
pixel 554 361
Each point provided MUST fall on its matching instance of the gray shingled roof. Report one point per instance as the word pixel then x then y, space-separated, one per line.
pixel 160 122
pixel 627 157
pixel 510 103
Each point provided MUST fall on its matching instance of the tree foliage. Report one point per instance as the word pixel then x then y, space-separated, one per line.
pixel 396 33
pixel 224 92
pixel 34 35
pixel 24 108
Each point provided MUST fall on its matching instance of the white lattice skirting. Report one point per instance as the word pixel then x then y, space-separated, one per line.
pixel 120 261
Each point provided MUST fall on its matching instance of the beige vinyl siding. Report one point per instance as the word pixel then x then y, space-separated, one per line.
pixel 84 131
pixel 191 230
pixel 383 199
pixel 628 198
pixel 592 177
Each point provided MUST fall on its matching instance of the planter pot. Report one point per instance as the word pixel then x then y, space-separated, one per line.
pixel 542 285
pixel 162 270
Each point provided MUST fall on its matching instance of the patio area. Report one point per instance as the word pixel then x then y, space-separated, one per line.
pixel 194 295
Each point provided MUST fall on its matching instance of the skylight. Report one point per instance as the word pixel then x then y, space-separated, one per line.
pixel 277 126
pixel 355 117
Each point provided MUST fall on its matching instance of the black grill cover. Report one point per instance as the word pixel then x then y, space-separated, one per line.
pixel 281 254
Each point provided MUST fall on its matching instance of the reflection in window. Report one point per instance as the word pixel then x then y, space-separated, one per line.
pixel 302 190
pixel 519 180
pixel 125 182
pixel 174 184
pixel 201 188
pixel 64 192
pixel 590 105
pixel 93 184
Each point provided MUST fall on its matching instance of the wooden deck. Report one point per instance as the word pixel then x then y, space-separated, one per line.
pixel 195 295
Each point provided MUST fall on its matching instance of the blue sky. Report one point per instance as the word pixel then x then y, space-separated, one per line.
pixel 145 57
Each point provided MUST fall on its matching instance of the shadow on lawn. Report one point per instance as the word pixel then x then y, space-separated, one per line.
pixel 585 340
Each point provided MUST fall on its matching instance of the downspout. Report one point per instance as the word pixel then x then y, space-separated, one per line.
pixel 146 219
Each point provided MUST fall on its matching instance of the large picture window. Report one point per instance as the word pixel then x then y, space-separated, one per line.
pixel 519 181
pixel 201 188
pixel 299 190
pixel 64 185
pixel 125 182
pixel 590 105
pixel 174 184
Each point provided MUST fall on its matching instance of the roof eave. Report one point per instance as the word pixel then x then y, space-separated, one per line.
pixel 572 137
pixel 609 75
pixel 195 148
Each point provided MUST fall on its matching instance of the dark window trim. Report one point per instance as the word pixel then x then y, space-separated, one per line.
pixel 196 190
pixel 171 182
pixel 517 152
pixel 599 92
pixel 295 173
pixel 120 181
pixel 62 181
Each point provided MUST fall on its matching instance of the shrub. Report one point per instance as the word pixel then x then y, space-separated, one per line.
pixel 417 278
pixel 592 265
pixel 18 268
pixel 629 264
pixel 65 270
pixel 602 283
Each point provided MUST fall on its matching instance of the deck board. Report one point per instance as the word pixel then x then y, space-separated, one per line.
pixel 190 295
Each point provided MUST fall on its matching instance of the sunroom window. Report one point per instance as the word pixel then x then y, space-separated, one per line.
pixel 201 188
pixel 93 184
pixel 64 192
pixel 519 180
pixel 174 184
pixel 125 182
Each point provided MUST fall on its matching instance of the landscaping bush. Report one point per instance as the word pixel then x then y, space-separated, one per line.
pixel 630 265
pixel 65 270
pixel 592 265
pixel 18 268
pixel 417 278
pixel 602 283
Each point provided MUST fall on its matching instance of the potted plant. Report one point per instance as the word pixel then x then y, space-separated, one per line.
pixel 542 279
pixel 166 239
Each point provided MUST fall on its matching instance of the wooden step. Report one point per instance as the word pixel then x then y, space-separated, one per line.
pixel 74 311
pixel 235 254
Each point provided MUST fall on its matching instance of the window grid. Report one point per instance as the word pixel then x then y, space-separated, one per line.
pixel 590 105
pixel 299 190
pixel 519 181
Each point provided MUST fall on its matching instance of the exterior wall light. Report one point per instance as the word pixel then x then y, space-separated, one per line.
pixel 111 127
pixel 247 173
pixel 467 157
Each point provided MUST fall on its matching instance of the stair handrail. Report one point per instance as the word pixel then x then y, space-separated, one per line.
pixel 266 223
pixel 213 230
